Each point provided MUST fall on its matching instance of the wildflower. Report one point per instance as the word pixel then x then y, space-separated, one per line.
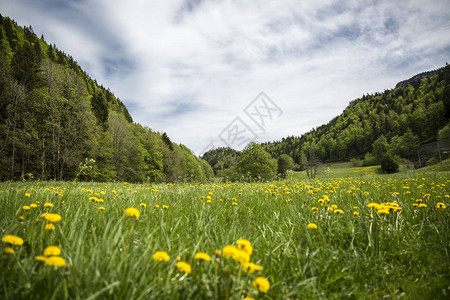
pixel 184 267
pixel 202 197
pixel 165 206
pixel 383 211
pixel 21 218
pixel 217 252
pixel 201 256
pixel 338 211
pixel 241 256
pixel 208 201
pixel 48 204
pixel 114 192
pixel 143 205
pixel 40 258
pixel 52 217
pixel 161 256
pixel 312 226
pixel 12 239
pixel 25 207
pixel 234 203
pixel 261 284
pixel 229 251
pixel 56 261
pixel 156 206
pixel 9 250
pixel 422 205
pixel 50 227
pixel 355 213
pixel 245 245
pixel 52 251
pixel 101 208
pixel 249 298
pixel 373 205
pixel 27 195
pixel 33 205
pixel 252 268
pixel 132 212
pixel 441 205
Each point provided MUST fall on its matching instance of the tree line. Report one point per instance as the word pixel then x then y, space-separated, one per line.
pixel 58 123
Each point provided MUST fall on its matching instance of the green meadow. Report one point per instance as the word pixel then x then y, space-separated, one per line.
pixel 375 236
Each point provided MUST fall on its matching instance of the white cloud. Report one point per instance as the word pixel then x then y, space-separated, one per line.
pixel 190 67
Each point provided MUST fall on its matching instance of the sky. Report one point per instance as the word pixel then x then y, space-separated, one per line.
pixel 214 73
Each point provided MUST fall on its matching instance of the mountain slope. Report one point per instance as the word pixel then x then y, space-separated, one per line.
pixel 406 116
pixel 58 123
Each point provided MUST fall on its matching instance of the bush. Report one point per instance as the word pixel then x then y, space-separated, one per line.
pixel 369 160
pixel 389 165
pixel 355 162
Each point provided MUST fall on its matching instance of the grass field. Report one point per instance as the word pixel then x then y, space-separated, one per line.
pixel 398 250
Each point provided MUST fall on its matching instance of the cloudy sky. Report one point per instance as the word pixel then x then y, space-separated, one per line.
pixel 193 68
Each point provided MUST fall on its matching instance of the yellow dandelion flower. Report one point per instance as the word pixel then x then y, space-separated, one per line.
pixel 161 256
pixel 25 207
pixel 217 252
pixel 422 205
pixel 355 213
pixel 33 205
pixel 261 284
pixel 132 212
pixel 156 206
pixel 208 201
pixel 50 227
pixel 56 261
pixel 52 217
pixel 252 268
pixel 143 205
pixel 312 226
pixel 48 204
pixel 184 267
pixel 441 205
pixel 165 206
pixel 229 251
pixel 21 218
pixel 338 211
pixel 40 258
pixel 201 256
pixel 245 245
pixel 9 250
pixel 234 203
pixel 52 251
pixel 383 211
pixel 114 192
pixel 241 256
pixel 12 240
pixel 27 195
pixel 373 205
pixel 249 298
pixel 101 208
pixel 202 197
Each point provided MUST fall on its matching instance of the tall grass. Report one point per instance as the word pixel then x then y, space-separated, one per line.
pixel 403 254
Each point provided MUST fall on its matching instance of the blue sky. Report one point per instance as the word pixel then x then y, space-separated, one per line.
pixel 190 68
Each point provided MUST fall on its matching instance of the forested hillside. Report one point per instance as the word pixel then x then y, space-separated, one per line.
pixel 58 123
pixel 395 121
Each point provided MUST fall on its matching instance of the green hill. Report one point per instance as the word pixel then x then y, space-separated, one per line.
pixel 56 122
pixel 398 120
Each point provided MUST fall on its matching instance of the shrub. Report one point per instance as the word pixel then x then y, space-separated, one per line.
pixel 389 165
